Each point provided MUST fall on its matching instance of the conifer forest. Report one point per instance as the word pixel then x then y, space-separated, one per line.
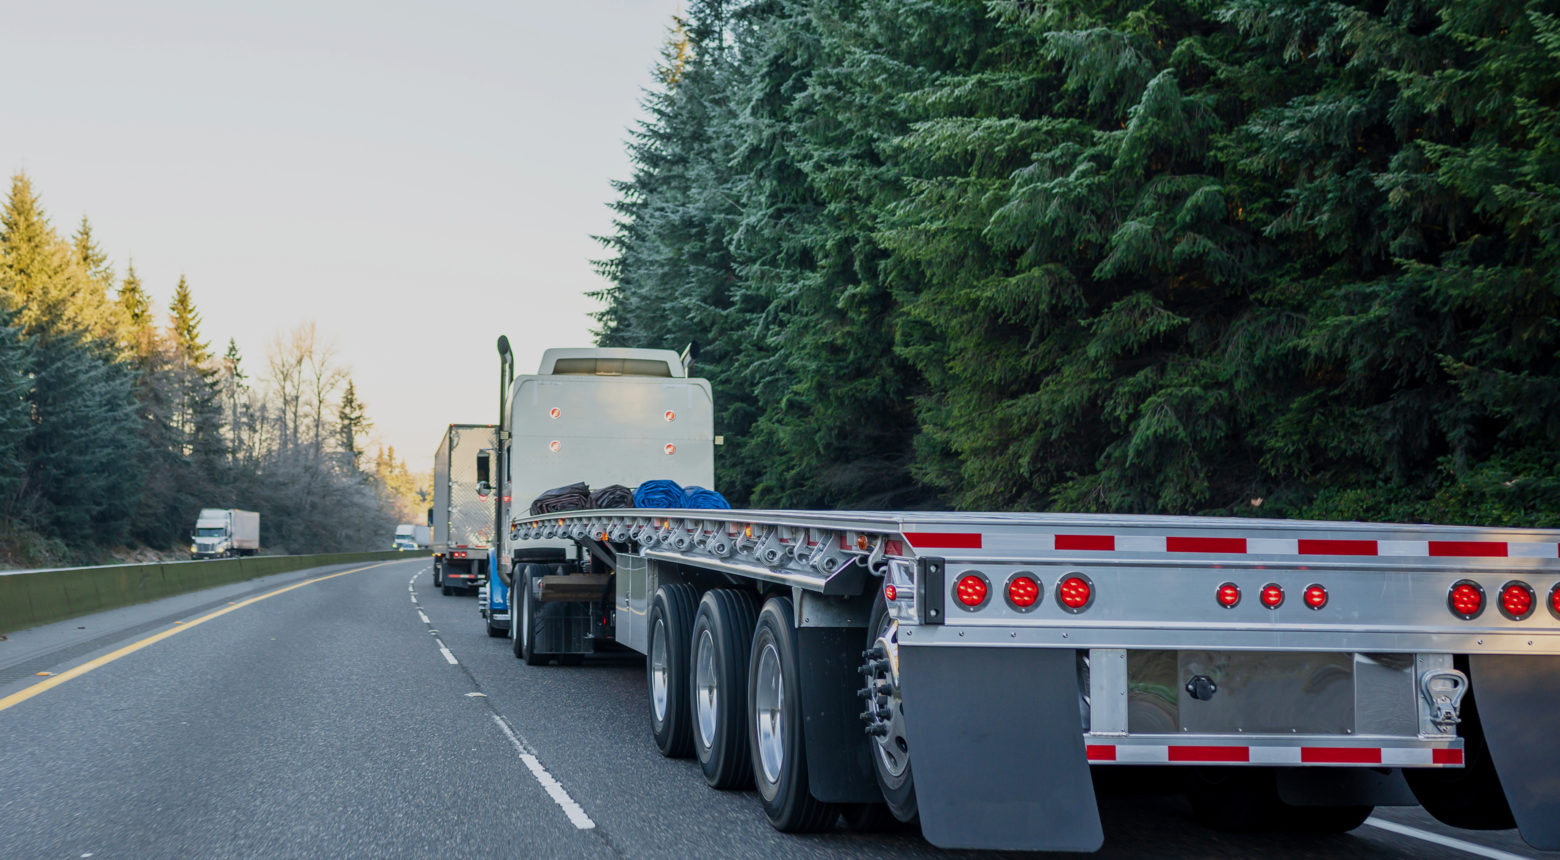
pixel 1273 258
pixel 118 424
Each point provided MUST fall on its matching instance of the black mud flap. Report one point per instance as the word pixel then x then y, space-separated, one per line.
pixel 1519 698
pixel 839 763
pixel 996 745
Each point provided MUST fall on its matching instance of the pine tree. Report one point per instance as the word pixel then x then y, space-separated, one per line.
pixel 138 336
pixel 16 363
pixel 352 425
pixel 198 413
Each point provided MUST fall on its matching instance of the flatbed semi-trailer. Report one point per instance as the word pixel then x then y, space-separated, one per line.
pixel 977 671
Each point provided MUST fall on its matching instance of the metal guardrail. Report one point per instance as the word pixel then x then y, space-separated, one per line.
pixel 29 598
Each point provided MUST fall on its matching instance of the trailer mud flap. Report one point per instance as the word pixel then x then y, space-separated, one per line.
pixel 997 748
pixel 839 763
pixel 1519 697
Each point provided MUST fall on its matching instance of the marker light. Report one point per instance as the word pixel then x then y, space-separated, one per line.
pixel 554 412
pixel 1554 600
pixel 1075 593
pixel 1228 595
pixel 1315 596
pixel 971 590
pixel 1272 595
pixel 890 593
pixel 670 448
pixel 555 446
pixel 1023 591
pixel 1466 599
pixel 1516 600
pixel 670 415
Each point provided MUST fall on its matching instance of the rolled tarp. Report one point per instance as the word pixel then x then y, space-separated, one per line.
pixel 659 494
pixel 574 497
pixel 699 498
pixel 615 496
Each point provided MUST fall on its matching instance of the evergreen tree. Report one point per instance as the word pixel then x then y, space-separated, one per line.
pixel 198 409
pixel 352 425
pixel 138 328
pixel 16 363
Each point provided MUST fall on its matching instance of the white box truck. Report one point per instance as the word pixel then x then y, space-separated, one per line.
pixel 462 515
pixel 224 533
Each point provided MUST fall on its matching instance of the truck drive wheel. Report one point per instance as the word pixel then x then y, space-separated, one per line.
pixel 438 575
pixel 666 666
pixel 890 745
pixel 722 639
pixel 775 725
pixel 525 641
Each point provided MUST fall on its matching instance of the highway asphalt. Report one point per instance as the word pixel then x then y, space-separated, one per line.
pixel 362 713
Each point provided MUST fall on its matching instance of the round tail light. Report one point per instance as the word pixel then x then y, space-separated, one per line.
pixel 1228 595
pixel 1022 592
pixel 1516 600
pixel 1075 593
pixel 1554 600
pixel 1466 599
pixel 972 590
pixel 1272 595
pixel 890 593
pixel 1315 596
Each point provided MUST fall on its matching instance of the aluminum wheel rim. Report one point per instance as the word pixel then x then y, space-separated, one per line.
pixel 768 705
pixel 658 671
pixel 706 696
pixel 892 749
pixel 525 614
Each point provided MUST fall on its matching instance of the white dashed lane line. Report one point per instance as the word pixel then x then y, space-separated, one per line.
pixel 554 789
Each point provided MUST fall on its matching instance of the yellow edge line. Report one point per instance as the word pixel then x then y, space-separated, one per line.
pixel 43 686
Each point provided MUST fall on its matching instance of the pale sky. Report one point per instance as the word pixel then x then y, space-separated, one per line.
pixel 415 177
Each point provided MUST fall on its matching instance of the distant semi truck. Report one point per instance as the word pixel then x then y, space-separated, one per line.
pixel 225 532
pixel 409 536
pixel 462 515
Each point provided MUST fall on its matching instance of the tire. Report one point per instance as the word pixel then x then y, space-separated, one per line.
pixel 718 666
pixel 525 640
pixel 438 574
pixel 774 725
pixel 495 632
pixel 1246 800
pixel 447 590
pixel 870 818
pixel 890 754
pixel 666 669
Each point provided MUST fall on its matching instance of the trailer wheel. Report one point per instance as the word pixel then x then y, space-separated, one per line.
pixel 666 667
pixel 775 725
pixel 525 643
pixel 890 746
pixel 447 590
pixel 722 640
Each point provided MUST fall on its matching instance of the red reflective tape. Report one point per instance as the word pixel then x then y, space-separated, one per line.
pixel 1340 755
pixel 943 540
pixel 1105 543
pixel 1191 544
pixel 1446 756
pixel 1210 754
pixel 895 547
pixel 1100 752
pixel 1338 547
pixel 1468 548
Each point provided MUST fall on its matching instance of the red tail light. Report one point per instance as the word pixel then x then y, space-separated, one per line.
pixel 1516 600
pixel 890 593
pixel 1554 600
pixel 1228 595
pixel 1272 595
pixel 1023 591
pixel 971 590
pixel 1466 599
pixel 1075 593
pixel 1315 596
